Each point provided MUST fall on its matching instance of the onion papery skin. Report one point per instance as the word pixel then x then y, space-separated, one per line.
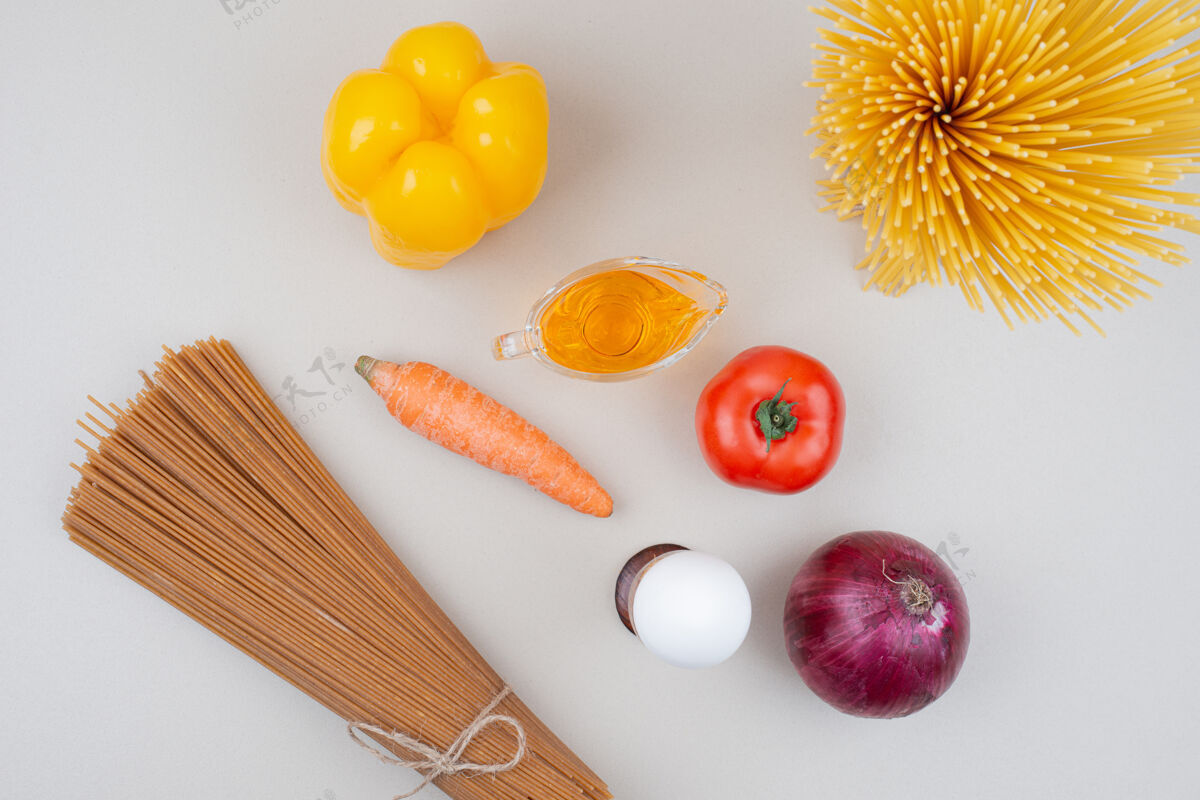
pixel 851 634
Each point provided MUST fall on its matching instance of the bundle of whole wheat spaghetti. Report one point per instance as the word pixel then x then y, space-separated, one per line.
pixel 203 493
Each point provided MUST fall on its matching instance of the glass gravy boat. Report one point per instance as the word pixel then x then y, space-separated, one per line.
pixel 617 319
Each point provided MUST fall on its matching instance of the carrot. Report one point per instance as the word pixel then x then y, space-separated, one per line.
pixel 459 417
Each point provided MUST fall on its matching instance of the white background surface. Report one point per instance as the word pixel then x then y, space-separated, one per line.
pixel 161 183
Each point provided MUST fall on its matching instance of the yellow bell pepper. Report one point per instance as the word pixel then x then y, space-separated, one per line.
pixel 437 146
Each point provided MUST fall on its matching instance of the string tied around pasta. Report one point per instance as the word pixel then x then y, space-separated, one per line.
pixel 435 763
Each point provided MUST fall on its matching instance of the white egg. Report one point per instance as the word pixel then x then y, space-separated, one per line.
pixel 691 609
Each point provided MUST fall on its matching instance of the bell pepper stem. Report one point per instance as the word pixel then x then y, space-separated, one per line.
pixel 775 418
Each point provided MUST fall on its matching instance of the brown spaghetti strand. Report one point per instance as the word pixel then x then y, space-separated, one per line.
pixel 202 492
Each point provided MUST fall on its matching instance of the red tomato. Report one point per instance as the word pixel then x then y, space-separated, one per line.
pixel 771 420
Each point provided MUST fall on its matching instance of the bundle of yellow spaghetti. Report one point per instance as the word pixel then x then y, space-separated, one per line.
pixel 1017 149
pixel 200 491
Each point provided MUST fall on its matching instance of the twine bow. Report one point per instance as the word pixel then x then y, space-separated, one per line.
pixel 433 762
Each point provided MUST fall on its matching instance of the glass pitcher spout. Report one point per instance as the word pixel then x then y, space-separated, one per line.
pixel 511 345
pixel 617 319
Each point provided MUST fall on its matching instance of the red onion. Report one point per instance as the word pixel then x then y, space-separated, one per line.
pixel 876 624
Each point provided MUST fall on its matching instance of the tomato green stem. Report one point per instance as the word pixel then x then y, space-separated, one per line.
pixel 775 418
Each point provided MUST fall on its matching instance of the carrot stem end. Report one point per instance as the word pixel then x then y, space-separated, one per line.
pixel 364 366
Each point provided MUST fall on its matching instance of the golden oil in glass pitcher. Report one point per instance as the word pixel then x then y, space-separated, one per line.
pixel 617 321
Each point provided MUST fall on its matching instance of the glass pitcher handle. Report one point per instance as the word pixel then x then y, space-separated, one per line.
pixel 511 345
